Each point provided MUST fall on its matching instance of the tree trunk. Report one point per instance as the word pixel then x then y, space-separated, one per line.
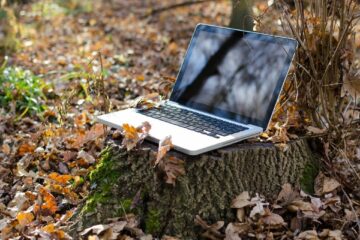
pixel 241 15
pixel 211 181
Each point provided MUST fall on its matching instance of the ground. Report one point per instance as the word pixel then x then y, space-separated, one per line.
pixel 64 62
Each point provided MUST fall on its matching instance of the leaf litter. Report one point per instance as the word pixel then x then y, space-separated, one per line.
pixel 44 164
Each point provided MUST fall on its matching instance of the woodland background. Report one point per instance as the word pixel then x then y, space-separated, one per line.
pixel 64 62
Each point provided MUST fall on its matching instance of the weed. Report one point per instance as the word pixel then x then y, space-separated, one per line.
pixel 22 90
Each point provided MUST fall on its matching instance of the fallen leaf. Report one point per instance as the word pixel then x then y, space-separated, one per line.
pixel 307 235
pixel 211 231
pixel 48 205
pixel 325 184
pixel 140 77
pixel 53 231
pixel 134 136
pixel 164 146
pixel 172 167
pixel 300 205
pixel 330 185
pixel 172 48
pixel 287 195
pixel 233 230
pixel 315 130
pixel 18 203
pixel 240 214
pixel 62 179
pixel 331 234
pixel 242 201
pixel 96 229
pixel 258 209
pixel 26 148
pixel 272 219
pixel 281 135
pixel 81 119
pixel 86 156
pixel 5 148
pixel 25 218
pixel 82 138
pixel 152 100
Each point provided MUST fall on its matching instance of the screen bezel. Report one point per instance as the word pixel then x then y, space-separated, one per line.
pixel 292 43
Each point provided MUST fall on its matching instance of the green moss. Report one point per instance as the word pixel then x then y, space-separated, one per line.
pixel 308 177
pixel 125 207
pixel 105 174
pixel 152 222
pixel 103 178
pixel 95 199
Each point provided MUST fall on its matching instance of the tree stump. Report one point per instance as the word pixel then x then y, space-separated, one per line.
pixel 126 182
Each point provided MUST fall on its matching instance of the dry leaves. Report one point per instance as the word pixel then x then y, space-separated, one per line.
pixel 262 220
pixel 152 100
pixel 210 231
pixel 82 137
pixel 46 204
pixel 25 218
pixel 164 146
pixel 325 184
pixel 134 135
pixel 173 168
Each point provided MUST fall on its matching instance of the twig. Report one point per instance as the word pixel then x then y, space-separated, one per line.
pixel 170 7
pixel 352 207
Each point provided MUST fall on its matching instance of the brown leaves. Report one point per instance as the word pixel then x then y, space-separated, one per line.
pixel 26 148
pixel 83 137
pixel 173 168
pixel 325 184
pixel 234 230
pixel 25 218
pixel 152 100
pixel 170 166
pixel 164 146
pixel 62 179
pixel 272 219
pixel 47 204
pixel 263 220
pixel 134 136
pixel 242 201
pixel 211 231
pixel 118 228
pixel 53 231
pixel 287 195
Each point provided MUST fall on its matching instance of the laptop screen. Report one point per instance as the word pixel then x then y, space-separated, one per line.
pixel 234 74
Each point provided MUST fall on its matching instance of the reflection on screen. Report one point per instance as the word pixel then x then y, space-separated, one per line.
pixel 232 73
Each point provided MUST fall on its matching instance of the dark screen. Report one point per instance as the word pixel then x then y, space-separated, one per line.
pixel 233 74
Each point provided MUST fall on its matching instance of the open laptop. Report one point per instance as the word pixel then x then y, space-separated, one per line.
pixel 225 91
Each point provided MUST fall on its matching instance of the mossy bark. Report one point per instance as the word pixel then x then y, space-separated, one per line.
pixel 211 181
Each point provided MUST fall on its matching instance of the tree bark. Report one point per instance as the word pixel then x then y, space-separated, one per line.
pixel 126 182
pixel 241 15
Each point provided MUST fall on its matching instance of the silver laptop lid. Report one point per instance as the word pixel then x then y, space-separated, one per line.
pixel 234 74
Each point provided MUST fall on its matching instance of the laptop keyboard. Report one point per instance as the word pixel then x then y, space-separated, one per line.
pixel 193 121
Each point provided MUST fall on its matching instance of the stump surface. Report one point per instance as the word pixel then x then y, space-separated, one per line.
pixel 126 182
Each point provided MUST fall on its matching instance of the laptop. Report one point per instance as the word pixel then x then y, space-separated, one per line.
pixel 225 91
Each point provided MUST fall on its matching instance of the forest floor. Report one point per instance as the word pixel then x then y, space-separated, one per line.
pixel 80 54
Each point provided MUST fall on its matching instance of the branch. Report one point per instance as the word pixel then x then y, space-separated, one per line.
pixel 177 5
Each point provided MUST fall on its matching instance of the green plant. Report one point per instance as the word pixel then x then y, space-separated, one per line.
pixel 22 89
